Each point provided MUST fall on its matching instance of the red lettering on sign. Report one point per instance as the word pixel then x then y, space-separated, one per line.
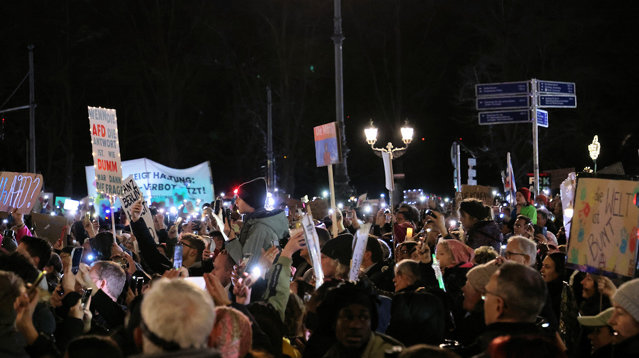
pixel 107 165
pixel 99 130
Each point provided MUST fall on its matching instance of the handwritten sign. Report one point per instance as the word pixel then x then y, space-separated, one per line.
pixel 327 145
pixel 103 126
pixel 19 191
pixel 312 243
pixel 130 194
pixel 604 231
pixel 483 193
pixel 358 252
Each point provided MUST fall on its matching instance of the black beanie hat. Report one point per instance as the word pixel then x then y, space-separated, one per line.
pixel 339 248
pixel 253 192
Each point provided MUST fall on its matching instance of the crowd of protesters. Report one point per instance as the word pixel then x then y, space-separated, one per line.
pixel 241 283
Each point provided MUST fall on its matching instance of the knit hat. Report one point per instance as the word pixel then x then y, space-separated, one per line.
pixel 626 297
pixel 253 192
pixel 479 275
pixel 232 332
pixel 339 248
pixel 526 193
pixel 599 320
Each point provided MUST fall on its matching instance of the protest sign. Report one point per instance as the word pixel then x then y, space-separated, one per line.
pixel 483 193
pixel 161 184
pixel 312 243
pixel 358 252
pixel 319 208
pixel 48 227
pixel 604 225
pixel 327 144
pixel 19 191
pixel 103 126
pixel 130 194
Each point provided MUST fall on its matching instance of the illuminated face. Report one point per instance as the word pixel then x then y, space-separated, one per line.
pixel 353 328
pixel 466 220
pixel 242 206
pixel 444 256
pixel 622 322
pixel 520 227
pixel 520 199
pixel 514 253
pixel 600 336
pixel 400 281
pixel 548 270
pixel 221 269
pixel 493 304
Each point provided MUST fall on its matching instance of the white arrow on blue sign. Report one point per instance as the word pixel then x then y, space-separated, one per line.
pixel 502 102
pixel 542 118
pixel 503 117
pixel 550 101
pixel 556 87
pixel 502 89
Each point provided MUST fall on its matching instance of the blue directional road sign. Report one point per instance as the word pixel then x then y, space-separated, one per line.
pixel 542 118
pixel 503 117
pixel 550 101
pixel 502 102
pixel 501 89
pixel 556 87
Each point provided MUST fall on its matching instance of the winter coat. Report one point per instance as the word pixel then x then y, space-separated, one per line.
pixel 417 317
pixel 260 231
pixel 484 233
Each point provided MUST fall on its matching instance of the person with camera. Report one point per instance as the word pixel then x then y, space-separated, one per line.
pixel 262 229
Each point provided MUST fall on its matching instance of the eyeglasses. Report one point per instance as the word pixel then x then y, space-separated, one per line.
pixel 187 245
pixel 508 254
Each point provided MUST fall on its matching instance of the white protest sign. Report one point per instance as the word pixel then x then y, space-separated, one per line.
pixel 19 191
pixel 103 126
pixel 130 194
pixel 361 237
pixel 312 243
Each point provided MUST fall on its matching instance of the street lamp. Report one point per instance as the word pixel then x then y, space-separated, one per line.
pixel 594 148
pixel 390 150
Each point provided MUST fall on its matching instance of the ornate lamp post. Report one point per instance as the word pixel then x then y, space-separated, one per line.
pixel 390 151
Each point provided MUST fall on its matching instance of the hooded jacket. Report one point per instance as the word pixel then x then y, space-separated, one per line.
pixel 260 230
pixel 484 233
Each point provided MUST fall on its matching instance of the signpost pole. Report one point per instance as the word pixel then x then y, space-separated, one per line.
pixel 331 187
pixel 535 135
pixel 111 206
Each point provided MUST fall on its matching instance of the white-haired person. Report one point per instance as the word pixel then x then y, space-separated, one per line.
pixel 177 320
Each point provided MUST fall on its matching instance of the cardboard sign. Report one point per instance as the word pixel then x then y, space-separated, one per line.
pixel 604 229
pixel 103 126
pixel 19 191
pixel 319 208
pixel 483 193
pixel 327 144
pixel 312 243
pixel 48 227
pixel 130 194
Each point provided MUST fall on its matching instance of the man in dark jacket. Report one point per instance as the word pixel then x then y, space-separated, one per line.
pixel 262 229
pixel 416 315
pixel 513 298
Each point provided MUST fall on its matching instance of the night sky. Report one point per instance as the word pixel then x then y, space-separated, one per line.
pixel 188 80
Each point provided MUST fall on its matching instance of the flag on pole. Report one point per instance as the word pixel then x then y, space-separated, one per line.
pixel 509 180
